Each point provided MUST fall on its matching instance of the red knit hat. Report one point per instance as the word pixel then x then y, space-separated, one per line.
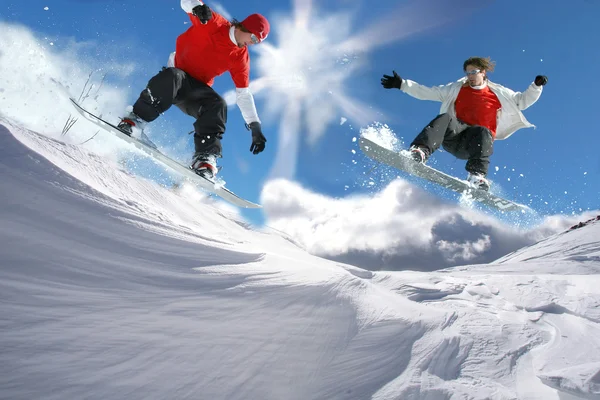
pixel 258 25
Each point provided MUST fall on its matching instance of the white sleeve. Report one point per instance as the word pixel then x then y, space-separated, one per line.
pixel 188 5
pixel 171 61
pixel 435 93
pixel 528 97
pixel 245 101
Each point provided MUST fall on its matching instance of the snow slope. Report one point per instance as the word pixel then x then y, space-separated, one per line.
pixel 115 287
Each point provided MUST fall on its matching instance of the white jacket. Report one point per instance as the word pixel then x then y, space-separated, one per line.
pixel 510 117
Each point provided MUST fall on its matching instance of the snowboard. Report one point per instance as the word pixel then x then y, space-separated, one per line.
pixel 407 164
pixel 150 150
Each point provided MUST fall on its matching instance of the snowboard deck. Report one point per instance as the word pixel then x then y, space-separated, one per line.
pixel 204 183
pixel 404 163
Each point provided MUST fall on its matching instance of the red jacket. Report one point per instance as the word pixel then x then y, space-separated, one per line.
pixel 206 51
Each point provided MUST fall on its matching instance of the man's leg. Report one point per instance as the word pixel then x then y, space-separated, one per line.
pixel 211 123
pixel 432 136
pixel 476 145
pixel 210 111
pixel 479 146
pixel 160 93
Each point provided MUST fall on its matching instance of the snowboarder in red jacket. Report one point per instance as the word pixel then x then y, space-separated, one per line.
pixel 210 47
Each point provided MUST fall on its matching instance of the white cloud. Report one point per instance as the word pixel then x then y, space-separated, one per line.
pixel 401 227
pixel 464 252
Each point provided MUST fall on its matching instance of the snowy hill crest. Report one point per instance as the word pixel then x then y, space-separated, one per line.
pixel 116 287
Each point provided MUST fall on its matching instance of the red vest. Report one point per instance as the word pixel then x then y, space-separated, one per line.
pixel 478 107
pixel 206 51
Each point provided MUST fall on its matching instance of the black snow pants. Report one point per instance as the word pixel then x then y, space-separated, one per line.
pixel 466 142
pixel 172 86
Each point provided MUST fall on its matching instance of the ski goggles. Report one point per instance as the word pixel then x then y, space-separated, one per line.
pixel 472 72
pixel 254 38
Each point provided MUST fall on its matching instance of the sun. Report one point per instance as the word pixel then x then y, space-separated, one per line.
pixel 302 79
pixel 306 66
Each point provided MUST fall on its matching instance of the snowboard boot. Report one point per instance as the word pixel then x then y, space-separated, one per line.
pixel 478 181
pixel 419 153
pixel 131 122
pixel 205 165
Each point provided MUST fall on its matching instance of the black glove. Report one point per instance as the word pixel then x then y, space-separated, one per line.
pixel 258 139
pixel 541 80
pixel 203 13
pixel 389 82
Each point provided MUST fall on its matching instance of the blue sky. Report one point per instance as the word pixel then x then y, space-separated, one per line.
pixel 555 168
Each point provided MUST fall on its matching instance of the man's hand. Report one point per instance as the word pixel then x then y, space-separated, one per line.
pixel 389 82
pixel 258 139
pixel 541 80
pixel 203 12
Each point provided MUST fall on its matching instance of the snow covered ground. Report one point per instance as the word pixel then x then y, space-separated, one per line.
pixel 115 287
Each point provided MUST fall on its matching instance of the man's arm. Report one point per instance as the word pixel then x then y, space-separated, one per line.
pixel 412 88
pixel 421 92
pixel 528 97
pixel 198 12
pixel 188 5
pixel 245 101
pixel 240 74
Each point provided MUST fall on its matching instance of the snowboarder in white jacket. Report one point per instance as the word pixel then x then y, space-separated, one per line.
pixel 474 113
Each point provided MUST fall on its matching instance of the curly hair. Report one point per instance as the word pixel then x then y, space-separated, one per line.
pixel 485 64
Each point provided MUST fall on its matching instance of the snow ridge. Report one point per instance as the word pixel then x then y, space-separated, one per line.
pixel 116 287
